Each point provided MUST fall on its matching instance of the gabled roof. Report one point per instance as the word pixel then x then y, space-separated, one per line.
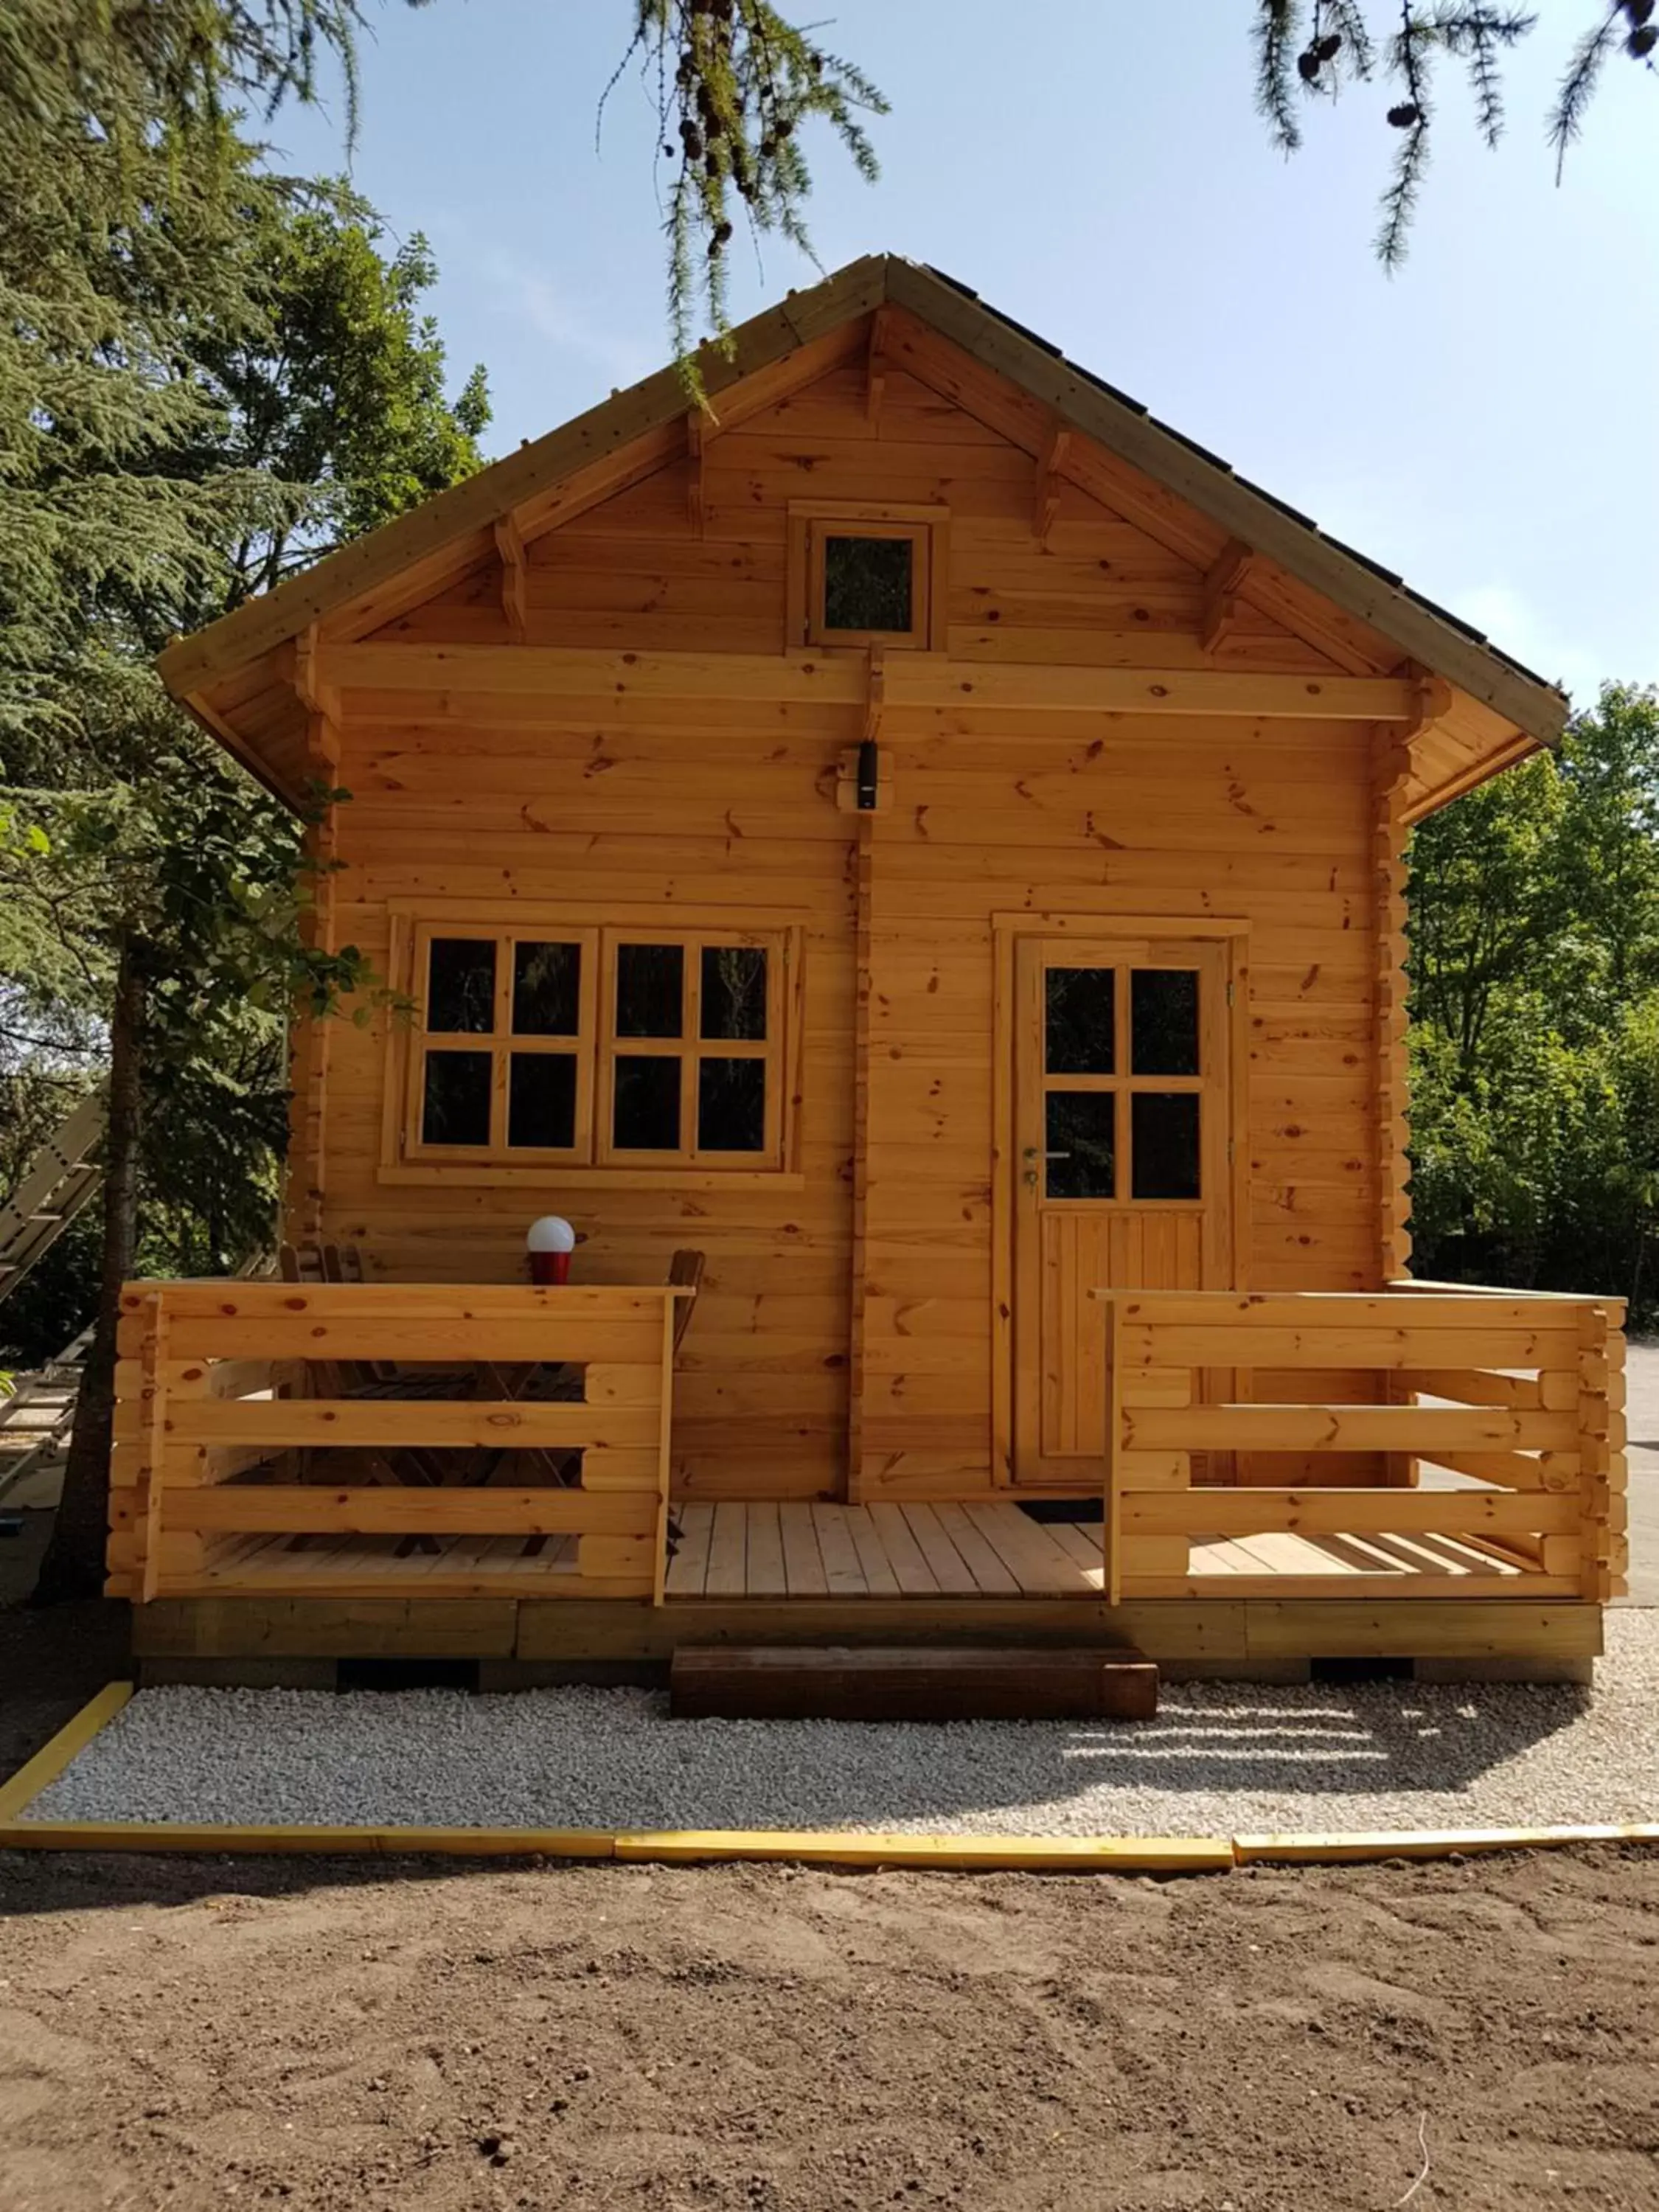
pixel 1428 634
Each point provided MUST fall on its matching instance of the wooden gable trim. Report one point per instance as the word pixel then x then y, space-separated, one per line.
pixel 637 432
pixel 538 469
pixel 1213 490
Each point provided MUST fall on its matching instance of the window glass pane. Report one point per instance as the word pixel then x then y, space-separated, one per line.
pixel 461 985
pixel 455 1098
pixel 645 1115
pixel 1163 1021
pixel 546 990
pixel 1080 1012
pixel 734 992
pixel 541 1099
pixel 650 990
pixel 1082 1136
pixel 1164 1144
pixel 866 583
pixel 731 1106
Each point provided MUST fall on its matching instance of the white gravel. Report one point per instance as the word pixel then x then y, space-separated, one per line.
pixel 1220 1759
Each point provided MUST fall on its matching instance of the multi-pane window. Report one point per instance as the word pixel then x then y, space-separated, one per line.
pixel 1122 1083
pixel 597 1046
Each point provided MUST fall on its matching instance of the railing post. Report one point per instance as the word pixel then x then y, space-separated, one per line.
pixel 1112 1520
pixel 153 1423
pixel 1595 1532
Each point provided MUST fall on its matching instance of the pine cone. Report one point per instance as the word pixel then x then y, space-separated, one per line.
pixel 1405 115
pixel 1640 43
pixel 1308 65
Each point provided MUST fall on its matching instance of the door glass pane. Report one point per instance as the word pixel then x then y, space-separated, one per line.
pixel 650 990
pixel 731 1106
pixel 1163 1021
pixel 646 1114
pixel 1081 1127
pixel 1164 1144
pixel 455 1098
pixel 1079 1006
pixel 866 583
pixel 461 985
pixel 546 990
pixel 541 1099
pixel 734 992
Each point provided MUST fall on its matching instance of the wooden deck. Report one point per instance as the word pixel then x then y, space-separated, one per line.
pixel 792 1550
pixel 992 1549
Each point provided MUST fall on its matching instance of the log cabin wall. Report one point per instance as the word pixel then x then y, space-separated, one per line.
pixel 870 1280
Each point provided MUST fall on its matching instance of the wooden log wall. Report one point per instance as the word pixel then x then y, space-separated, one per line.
pixel 617 809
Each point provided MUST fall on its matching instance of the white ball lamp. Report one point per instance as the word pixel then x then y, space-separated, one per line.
pixel 550 1243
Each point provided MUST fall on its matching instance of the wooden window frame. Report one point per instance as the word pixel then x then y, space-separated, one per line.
pixel 690 1048
pixel 502 1042
pixel 811 522
pixel 594 1161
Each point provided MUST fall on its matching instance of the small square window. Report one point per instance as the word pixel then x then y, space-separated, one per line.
pixel 858 582
pixel 869 583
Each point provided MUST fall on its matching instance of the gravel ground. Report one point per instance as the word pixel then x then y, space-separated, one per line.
pixel 1218 1759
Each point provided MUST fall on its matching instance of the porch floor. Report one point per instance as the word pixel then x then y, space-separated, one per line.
pixel 748 1549
pixel 988 1549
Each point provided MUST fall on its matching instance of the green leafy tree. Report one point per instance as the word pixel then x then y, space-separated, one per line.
pixel 1535 996
pixel 208 374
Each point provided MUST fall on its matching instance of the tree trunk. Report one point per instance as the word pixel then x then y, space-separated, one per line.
pixel 74 1564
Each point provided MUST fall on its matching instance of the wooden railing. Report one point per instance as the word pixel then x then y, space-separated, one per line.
pixel 1532 1426
pixel 235 1399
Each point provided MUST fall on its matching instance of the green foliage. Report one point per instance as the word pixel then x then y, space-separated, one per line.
pixel 1312 50
pixel 1535 995
pixel 208 375
pixel 733 83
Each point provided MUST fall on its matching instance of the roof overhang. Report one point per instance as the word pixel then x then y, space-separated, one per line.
pixel 1509 710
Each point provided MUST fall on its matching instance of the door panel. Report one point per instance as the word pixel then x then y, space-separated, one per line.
pixel 1123 1113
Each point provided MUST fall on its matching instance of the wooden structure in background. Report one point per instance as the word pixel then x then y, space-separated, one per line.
pixel 934 837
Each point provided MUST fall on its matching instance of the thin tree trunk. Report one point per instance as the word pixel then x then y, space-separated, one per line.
pixel 74 1564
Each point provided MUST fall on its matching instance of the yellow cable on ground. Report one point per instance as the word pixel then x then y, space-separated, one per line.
pixel 834 1847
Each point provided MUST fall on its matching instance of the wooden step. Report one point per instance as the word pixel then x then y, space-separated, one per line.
pixel 910 1683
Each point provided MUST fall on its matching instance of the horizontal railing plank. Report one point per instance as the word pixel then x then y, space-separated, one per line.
pixel 1352 1344
pixel 1253 1512
pixel 1422 1430
pixel 312 1509
pixel 1321 1309
pixel 512 1426
pixel 549 1340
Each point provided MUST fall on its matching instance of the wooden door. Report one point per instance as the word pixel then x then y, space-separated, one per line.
pixel 1123 1137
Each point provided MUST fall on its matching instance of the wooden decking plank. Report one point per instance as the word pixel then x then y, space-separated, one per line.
pixel 1030 1554
pixel 842 1569
pixel 1082 1546
pixel 1282 1554
pixel 1448 1548
pixel 880 1579
pixel 914 1577
pixel 992 1577
pixel 728 1550
pixel 803 1563
pixel 1221 1555
pixel 767 1575
pixel 689 1564
pixel 954 1575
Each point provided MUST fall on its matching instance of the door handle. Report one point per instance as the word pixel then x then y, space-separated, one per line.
pixel 1035 1152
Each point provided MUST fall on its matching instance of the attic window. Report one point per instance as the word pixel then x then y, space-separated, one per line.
pixel 867 578
pixel 869 583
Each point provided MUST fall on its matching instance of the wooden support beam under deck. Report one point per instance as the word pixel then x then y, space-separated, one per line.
pixel 912 680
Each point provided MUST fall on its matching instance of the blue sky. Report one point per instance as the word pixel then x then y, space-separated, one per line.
pixel 1483 422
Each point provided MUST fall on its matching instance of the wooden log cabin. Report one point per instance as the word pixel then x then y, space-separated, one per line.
pixel 930 837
